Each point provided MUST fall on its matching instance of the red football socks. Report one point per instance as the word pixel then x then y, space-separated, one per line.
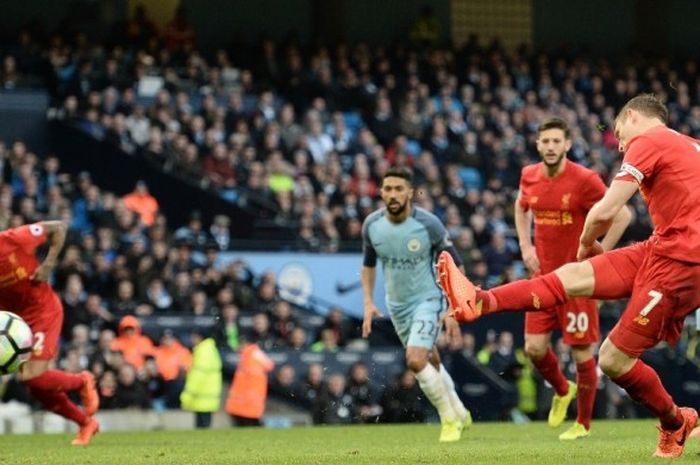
pixel 50 388
pixel 587 382
pixel 56 380
pixel 644 386
pixel 525 295
pixel 59 403
pixel 548 367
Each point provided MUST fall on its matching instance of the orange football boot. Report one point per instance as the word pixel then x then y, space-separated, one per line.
pixel 671 443
pixel 460 292
pixel 86 432
pixel 88 393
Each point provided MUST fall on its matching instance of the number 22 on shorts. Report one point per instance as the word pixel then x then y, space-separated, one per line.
pixel 643 318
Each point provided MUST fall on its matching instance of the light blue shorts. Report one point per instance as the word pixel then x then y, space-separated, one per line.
pixel 418 325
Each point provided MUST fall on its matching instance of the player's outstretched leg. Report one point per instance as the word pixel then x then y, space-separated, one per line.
pixel 467 302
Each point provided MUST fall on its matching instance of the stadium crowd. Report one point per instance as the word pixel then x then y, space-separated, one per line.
pixel 312 130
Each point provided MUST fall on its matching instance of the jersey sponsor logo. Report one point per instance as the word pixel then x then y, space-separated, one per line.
pixel 413 245
pixel 553 217
pixel 36 229
pixel 628 169
pixel 395 263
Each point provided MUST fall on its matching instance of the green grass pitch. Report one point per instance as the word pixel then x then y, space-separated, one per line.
pixel 611 442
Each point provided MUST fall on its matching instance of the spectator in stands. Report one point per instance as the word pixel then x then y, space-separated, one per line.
pixel 173 360
pixel 141 202
pixel 179 33
pixel 334 406
pixel 74 298
pixel 297 339
pixel 312 385
pixel 364 394
pixel 262 333
pixel 402 401
pixel 328 342
pixel 202 393
pixel 283 384
pixel 154 384
pixel 130 392
pixel 336 322
pixel 107 388
pixel 248 393
pixel 221 232
pixel 283 323
pixel 124 303
pixel 227 331
pixel 130 342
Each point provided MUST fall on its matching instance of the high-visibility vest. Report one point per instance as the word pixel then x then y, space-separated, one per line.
pixel 248 392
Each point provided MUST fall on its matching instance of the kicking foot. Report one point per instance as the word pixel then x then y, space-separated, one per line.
pixel 460 292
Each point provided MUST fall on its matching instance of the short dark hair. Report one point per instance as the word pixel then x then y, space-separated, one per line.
pixel 648 105
pixel 554 123
pixel 399 172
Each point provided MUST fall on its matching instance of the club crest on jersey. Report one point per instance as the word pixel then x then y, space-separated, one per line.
pixel 413 245
pixel 565 200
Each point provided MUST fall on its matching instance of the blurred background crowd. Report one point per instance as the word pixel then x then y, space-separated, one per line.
pixel 307 129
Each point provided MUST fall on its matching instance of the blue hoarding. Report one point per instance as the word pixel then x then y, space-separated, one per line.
pixel 314 279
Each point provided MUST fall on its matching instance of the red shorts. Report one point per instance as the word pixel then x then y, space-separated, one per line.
pixel 577 319
pixel 662 291
pixel 46 321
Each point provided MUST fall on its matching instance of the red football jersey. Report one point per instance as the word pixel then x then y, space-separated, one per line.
pixel 666 165
pixel 17 263
pixel 559 207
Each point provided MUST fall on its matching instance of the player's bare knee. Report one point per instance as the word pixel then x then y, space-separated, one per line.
pixel 577 278
pixel 416 361
pixel 613 361
pixel 534 350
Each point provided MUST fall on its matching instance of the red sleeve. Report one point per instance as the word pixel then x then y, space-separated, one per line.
pixel 593 189
pixel 640 160
pixel 28 237
pixel 524 195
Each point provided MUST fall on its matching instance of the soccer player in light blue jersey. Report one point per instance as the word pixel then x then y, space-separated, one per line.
pixel 407 241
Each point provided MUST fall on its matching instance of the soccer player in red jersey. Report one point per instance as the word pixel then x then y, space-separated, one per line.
pixel 555 195
pixel 25 291
pixel 660 276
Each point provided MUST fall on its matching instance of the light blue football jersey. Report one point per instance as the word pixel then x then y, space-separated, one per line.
pixel 407 251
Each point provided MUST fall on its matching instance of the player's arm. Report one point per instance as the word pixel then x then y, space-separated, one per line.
pixel 617 228
pixel 602 215
pixel 56 234
pixel 368 277
pixel 523 226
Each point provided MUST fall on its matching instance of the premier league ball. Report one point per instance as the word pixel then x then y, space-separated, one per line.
pixel 16 341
